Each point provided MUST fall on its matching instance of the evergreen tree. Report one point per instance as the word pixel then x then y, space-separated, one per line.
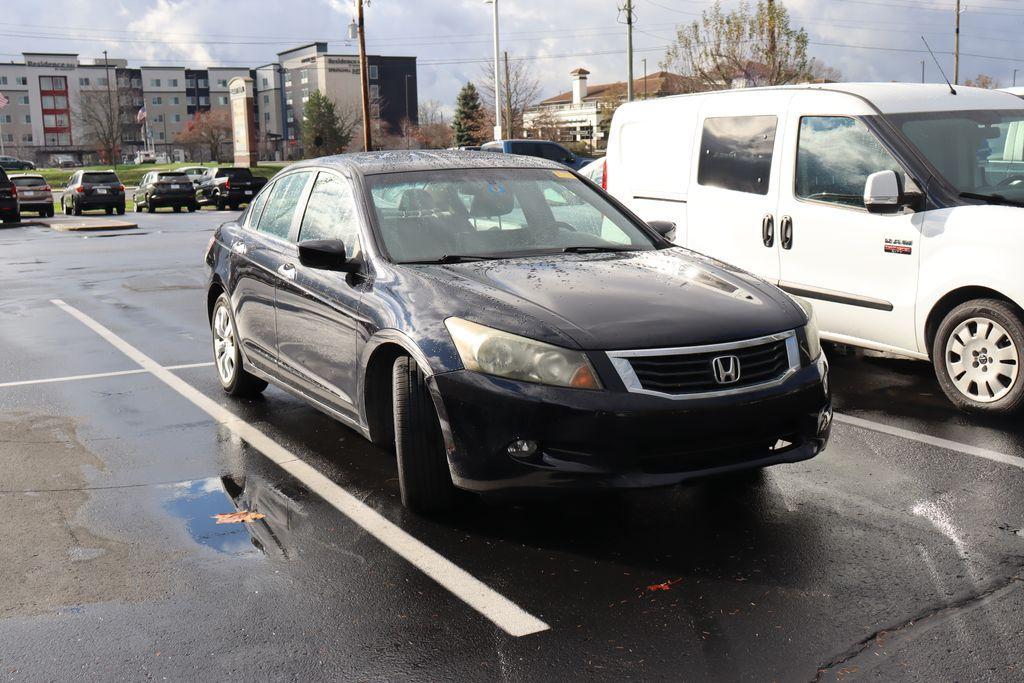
pixel 323 131
pixel 470 121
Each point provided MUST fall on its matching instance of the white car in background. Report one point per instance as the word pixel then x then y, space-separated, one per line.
pixel 897 209
pixel 594 172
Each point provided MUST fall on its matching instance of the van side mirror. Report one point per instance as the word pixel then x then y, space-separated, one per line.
pixel 327 255
pixel 882 192
pixel 666 229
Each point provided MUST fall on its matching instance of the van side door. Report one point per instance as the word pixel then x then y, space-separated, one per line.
pixel 735 179
pixel 858 269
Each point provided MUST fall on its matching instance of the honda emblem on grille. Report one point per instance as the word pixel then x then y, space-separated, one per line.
pixel 727 369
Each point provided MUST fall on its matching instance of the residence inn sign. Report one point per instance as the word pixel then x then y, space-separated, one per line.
pixel 242 121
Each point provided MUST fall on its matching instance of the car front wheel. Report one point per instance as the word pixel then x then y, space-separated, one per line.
pixel 423 475
pixel 227 356
pixel 977 354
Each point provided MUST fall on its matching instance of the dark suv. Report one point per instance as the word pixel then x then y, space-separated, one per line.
pixel 165 188
pixel 9 211
pixel 87 190
pixel 224 187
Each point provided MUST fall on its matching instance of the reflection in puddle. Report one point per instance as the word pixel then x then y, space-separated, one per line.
pixel 197 502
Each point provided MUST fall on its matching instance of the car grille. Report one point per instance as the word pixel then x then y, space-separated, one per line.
pixel 682 372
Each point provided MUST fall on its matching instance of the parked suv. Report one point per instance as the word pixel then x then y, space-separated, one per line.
pixel 448 304
pixel 165 188
pixel 224 187
pixel 542 149
pixel 13 164
pixel 896 208
pixel 87 190
pixel 9 211
pixel 34 193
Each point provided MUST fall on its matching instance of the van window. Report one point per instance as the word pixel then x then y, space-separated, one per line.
pixel 736 153
pixel 835 155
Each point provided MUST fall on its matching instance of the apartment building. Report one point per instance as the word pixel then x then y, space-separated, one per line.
pixel 45 92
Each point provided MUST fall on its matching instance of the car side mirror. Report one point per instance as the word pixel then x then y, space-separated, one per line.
pixel 666 229
pixel 327 255
pixel 882 193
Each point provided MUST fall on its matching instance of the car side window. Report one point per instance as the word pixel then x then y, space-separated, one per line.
pixel 331 213
pixel 736 153
pixel 282 203
pixel 835 155
pixel 255 209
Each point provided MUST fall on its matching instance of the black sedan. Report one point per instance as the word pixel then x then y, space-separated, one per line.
pixel 508 327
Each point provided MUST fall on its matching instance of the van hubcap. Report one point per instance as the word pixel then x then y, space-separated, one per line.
pixel 224 345
pixel 982 360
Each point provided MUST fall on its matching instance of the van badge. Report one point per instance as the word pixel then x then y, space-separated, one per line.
pixel 894 246
pixel 727 369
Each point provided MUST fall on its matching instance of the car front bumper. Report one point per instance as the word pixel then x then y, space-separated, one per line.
pixel 617 439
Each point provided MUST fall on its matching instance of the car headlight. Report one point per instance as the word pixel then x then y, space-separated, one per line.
pixel 493 352
pixel 810 329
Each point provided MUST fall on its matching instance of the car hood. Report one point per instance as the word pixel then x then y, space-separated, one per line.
pixel 623 300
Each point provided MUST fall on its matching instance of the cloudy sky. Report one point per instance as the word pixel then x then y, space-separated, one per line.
pixel 864 39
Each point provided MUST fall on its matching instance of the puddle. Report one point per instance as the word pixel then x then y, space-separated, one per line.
pixel 197 502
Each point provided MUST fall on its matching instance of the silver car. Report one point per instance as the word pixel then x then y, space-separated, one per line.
pixel 34 194
pixel 195 173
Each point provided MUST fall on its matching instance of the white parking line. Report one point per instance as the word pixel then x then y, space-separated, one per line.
pixel 500 610
pixel 98 375
pixel 967 449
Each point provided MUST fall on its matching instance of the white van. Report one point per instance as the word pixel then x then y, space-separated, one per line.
pixel 897 209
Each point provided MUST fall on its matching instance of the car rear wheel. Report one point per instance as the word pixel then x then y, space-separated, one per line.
pixel 977 354
pixel 149 205
pixel 227 356
pixel 192 207
pixel 76 208
pixel 177 208
pixel 423 475
pixel 67 209
pixel 221 205
pixel 110 210
pixel 120 210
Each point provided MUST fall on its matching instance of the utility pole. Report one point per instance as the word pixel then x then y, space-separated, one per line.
pixel 922 71
pixel 956 47
pixel 629 50
pixel 112 115
pixel 645 77
pixel 508 102
pixel 498 133
pixel 364 77
pixel 1015 77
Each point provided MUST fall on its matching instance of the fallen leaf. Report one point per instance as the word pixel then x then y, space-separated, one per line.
pixel 663 586
pixel 236 517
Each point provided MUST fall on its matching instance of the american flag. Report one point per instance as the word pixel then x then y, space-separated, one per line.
pixel 3 100
pixel 141 116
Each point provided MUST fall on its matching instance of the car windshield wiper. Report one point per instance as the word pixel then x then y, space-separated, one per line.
pixel 454 258
pixel 585 249
pixel 992 198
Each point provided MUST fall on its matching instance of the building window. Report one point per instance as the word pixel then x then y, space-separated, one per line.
pixel 3 80
pixel 23 99
pixel 102 80
pixel 204 83
pixel 50 138
pixel 190 82
pixel 160 135
pixel 190 101
pixel 263 82
pixel 157 100
pixel 28 119
pixel 374 92
pixel 8 137
pixel 81 81
pixel 223 99
pixel 222 82
pixel 26 137
pixel 288 79
pixel 136 82
pixel 159 118
pixel 288 102
pixel 175 100
pixel 373 72
pixel 304 76
pixel 204 101
pixel 266 99
pixel 177 118
pixel 154 83
pixel 21 80
pixel 266 116
pixel 6 118
pixel 736 153
pixel 172 82
pixel 64 138
pixel 305 95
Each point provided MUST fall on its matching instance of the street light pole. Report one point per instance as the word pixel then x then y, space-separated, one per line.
pixel 112 115
pixel 363 77
pixel 922 71
pixel 629 50
pixel 497 75
pixel 645 77
pixel 956 47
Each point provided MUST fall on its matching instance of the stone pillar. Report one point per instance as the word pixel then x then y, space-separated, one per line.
pixel 243 127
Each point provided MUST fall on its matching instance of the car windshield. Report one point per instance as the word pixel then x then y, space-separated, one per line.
pixel 99 178
pixel 977 152
pixel 28 182
pixel 496 213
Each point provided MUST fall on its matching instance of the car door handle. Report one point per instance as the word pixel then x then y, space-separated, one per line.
pixel 287 270
pixel 768 230
pixel 786 228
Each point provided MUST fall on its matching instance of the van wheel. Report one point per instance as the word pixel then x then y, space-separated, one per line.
pixel 423 475
pixel 977 356
pixel 227 355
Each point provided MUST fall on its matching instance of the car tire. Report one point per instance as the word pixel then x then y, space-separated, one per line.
pixel 221 205
pixel 67 209
pixel 227 354
pixel 977 354
pixel 423 475
pixel 76 208
pixel 177 208
pixel 149 206
pixel 120 210
pixel 138 206
pixel 192 208
pixel 110 211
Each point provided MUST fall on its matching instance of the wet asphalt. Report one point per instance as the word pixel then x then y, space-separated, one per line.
pixel 884 558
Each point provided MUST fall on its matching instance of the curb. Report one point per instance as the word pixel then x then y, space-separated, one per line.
pixel 85 226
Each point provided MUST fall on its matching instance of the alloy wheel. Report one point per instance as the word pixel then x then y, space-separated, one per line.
pixel 982 360
pixel 224 345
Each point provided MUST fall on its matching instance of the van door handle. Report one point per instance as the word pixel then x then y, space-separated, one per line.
pixel 768 230
pixel 786 227
pixel 287 270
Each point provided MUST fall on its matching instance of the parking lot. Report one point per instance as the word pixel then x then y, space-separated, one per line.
pixel 898 552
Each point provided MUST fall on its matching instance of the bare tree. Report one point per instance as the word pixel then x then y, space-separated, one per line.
pixel 433 131
pixel 104 118
pixel 209 130
pixel 542 125
pixel 520 89
pixel 982 81
pixel 822 73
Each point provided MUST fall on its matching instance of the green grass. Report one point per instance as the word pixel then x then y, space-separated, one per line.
pixel 131 175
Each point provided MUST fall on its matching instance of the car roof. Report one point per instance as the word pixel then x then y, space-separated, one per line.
pixel 896 98
pixel 400 161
